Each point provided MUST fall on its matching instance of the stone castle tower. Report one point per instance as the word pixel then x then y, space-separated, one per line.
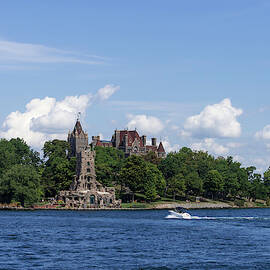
pixel 85 191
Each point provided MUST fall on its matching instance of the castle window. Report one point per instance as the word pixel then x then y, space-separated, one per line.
pixel 92 199
pixel 88 170
pixel 88 163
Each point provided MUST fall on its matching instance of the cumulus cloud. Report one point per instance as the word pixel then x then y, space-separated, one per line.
pixel 234 144
pixel 169 147
pixel 264 133
pixel 145 124
pixel 210 145
pixel 217 120
pixel 45 119
pixel 238 158
pixel 105 92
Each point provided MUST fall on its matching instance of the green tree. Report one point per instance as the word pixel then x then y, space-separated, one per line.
pixel 176 185
pixel 141 176
pixel 154 175
pixel 16 151
pixel 58 170
pixel 108 163
pixel 194 183
pixel 258 190
pixel 152 158
pixel 20 183
pixel 213 183
pixel 132 174
pixel 266 180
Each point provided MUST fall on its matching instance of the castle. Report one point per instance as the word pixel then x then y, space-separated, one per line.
pixel 131 143
pixel 85 191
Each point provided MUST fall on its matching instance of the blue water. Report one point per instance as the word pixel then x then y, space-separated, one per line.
pixel 219 239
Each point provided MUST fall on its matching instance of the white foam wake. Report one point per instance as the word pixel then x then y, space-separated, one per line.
pixel 172 216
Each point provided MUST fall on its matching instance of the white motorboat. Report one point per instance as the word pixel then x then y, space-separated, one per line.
pixel 180 212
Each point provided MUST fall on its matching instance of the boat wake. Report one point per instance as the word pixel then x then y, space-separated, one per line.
pixel 176 215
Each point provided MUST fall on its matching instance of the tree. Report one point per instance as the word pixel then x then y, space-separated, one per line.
pixel 154 176
pixel 58 170
pixel 258 189
pixel 141 176
pixel 176 185
pixel 266 180
pixel 16 151
pixel 21 183
pixel 213 183
pixel 108 163
pixel 194 183
pixel 152 158
pixel 132 174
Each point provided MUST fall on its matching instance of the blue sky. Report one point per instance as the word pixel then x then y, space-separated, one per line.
pixel 153 65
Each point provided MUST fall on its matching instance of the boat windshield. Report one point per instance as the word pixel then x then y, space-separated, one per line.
pixel 180 210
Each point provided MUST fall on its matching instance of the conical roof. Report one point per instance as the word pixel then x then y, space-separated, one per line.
pixel 161 148
pixel 78 127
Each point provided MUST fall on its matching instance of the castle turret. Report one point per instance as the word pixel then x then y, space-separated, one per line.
pixel 78 139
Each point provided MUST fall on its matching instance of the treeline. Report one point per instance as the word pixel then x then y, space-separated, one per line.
pixel 27 178
pixel 181 175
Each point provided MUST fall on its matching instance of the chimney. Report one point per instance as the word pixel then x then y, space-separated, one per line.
pixel 144 140
pixel 126 139
pixel 154 141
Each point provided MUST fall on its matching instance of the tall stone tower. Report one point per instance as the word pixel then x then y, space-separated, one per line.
pixel 85 191
pixel 78 139
pixel 85 168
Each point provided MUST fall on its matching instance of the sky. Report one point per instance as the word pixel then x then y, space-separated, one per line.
pixel 190 73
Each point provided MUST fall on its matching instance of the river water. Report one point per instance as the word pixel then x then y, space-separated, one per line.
pixel 214 239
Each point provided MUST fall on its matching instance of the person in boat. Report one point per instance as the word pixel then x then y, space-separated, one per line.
pixel 180 210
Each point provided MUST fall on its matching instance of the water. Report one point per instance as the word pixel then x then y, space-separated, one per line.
pixel 217 239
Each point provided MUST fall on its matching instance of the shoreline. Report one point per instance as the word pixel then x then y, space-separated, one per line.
pixel 165 206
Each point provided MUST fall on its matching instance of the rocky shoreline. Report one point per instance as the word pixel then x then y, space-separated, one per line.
pixel 163 206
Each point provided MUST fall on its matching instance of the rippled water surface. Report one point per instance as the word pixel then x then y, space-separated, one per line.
pixel 214 239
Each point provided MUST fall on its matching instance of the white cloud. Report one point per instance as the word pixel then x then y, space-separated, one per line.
pixel 210 145
pixel 45 119
pixel 184 133
pixel 174 127
pixel 105 92
pixel 234 144
pixel 238 158
pixel 261 163
pixel 168 147
pixel 11 52
pixel 264 133
pixel 145 124
pixel 217 120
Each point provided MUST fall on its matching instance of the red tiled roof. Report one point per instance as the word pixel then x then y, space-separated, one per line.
pixel 104 144
pixel 132 135
pixel 161 148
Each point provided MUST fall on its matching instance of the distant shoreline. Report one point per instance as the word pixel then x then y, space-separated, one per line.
pixel 165 206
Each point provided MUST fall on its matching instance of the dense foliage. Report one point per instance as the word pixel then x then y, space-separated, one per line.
pixel 142 176
pixel 58 170
pixel 19 173
pixel 25 178
pixel 108 163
